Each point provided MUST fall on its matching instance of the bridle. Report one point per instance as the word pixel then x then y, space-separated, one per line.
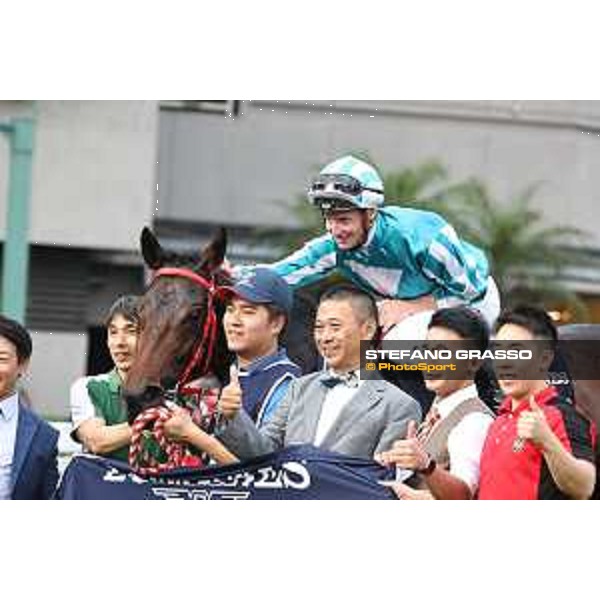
pixel 200 357
pixel 202 351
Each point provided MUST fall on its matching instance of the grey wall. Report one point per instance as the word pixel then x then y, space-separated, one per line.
pixel 93 174
pixel 93 188
pixel 57 360
pixel 223 170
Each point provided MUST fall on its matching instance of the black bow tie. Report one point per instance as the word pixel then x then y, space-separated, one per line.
pixel 349 379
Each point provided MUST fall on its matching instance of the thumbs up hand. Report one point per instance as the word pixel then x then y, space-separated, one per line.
pixel 408 453
pixel 532 425
pixel 230 401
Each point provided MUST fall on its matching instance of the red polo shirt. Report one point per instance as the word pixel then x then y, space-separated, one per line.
pixel 510 473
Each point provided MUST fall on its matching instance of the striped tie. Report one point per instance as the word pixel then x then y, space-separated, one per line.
pixel 433 416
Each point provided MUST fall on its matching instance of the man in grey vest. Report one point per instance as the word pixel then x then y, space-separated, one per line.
pixel 445 450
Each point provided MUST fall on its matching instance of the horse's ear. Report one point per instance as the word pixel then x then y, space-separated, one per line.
pixel 152 251
pixel 212 256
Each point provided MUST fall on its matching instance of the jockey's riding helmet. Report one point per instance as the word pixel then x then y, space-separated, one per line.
pixel 347 184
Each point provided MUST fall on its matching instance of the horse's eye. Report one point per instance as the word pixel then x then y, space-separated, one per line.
pixel 194 315
pixel 196 311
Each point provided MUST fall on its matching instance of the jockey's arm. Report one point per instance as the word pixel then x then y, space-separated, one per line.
pixel 311 263
pixel 100 438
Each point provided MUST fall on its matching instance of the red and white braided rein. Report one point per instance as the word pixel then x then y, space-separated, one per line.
pixel 142 461
pixel 177 453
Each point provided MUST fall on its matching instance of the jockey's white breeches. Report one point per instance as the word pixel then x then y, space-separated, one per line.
pixel 415 326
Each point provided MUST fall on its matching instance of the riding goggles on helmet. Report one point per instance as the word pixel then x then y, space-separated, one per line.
pixel 343 184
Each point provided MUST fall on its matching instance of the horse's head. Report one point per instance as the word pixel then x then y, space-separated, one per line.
pixel 179 320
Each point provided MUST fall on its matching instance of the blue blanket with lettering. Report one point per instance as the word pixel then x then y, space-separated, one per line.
pixel 294 473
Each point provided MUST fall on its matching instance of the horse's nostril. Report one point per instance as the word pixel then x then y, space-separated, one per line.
pixel 139 400
pixel 168 382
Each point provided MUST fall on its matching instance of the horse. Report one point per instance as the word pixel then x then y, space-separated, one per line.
pixel 181 338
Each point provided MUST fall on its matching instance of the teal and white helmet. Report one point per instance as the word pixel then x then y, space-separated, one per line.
pixel 347 183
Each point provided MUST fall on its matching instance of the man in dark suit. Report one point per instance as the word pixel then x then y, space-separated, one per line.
pixel 28 445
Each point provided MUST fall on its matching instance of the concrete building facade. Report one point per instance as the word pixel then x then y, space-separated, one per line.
pixel 103 170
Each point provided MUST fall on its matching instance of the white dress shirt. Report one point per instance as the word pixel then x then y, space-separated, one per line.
pixel 335 400
pixel 465 441
pixel 9 417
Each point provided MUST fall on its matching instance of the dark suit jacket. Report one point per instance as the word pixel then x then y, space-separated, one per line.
pixel 35 466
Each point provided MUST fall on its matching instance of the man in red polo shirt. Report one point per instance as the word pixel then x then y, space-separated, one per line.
pixel 539 446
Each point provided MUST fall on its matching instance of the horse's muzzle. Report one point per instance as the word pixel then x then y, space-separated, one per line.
pixel 151 397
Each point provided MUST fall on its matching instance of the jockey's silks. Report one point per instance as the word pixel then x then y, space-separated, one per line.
pixel 409 253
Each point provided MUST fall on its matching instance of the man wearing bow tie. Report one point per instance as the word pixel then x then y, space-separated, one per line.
pixel 333 409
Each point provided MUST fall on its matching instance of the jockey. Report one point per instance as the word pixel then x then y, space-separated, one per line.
pixel 411 260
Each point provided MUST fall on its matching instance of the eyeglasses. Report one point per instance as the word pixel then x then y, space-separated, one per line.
pixel 344 184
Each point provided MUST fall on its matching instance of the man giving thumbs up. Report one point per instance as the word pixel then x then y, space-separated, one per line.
pixel 539 446
pixel 255 316
pixel 446 449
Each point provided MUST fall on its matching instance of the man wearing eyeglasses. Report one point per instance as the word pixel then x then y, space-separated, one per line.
pixel 411 260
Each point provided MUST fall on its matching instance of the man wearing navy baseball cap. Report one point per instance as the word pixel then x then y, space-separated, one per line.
pixel 263 286
pixel 256 314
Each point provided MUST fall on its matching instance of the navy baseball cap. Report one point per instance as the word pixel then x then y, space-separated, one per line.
pixel 263 286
